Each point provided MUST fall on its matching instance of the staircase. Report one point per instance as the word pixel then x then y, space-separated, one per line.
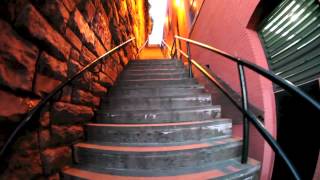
pixel 156 123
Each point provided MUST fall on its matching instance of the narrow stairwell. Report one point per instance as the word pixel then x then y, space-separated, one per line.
pixel 156 123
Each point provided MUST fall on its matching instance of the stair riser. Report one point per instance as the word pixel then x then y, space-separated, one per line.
pixel 159 135
pixel 156 103
pixel 158 67
pixel 155 66
pixel 158 117
pixel 152 76
pixel 156 160
pixel 154 82
pixel 153 71
pixel 151 92
pixel 154 62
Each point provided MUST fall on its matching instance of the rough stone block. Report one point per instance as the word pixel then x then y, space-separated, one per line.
pixel 105 80
pixel 70 4
pixel 86 56
pixel 50 66
pixel 83 31
pixel 84 98
pixel 73 39
pixel 29 18
pixel 74 54
pixel 66 134
pixel 98 89
pixel 44 138
pixel 44 85
pixel 13 107
pixel 17 60
pixel 45 119
pixel 56 158
pixel 73 67
pixel 25 143
pixel 24 166
pixel 55 12
pixel 99 27
pixel 88 10
pixel 65 113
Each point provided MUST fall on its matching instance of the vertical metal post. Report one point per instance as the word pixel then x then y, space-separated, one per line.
pixel 189 60
pixel 244 97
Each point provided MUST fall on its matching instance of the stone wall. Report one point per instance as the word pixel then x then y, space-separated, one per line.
pixel 42 43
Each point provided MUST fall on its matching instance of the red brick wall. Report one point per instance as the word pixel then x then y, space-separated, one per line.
pixel 42 43
pixel 224 25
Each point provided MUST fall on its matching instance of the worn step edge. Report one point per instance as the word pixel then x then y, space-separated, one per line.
pixel 190 97
pixel 159 134
pixel 119 87
pixel 222 170
pixel 157 157
pixel 152 116
pixel 154 92
pixel 153 103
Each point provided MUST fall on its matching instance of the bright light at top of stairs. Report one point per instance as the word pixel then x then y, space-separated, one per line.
pixel 158 14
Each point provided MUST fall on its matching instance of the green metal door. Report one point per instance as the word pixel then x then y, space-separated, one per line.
pixel 291 38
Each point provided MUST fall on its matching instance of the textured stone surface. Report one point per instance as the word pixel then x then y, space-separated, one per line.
pixel 84 98
pixel 98 89
pixel 55 12
pixel 27 165
pixel 70 4
pixel 65 113
pixel 55 158
pixel 50 66
pixel 73 39
pixel 74 54
pixel 99 23
pixel 44 85
pixel 88 10
pixel 82 29
pixel 13 107
pixel 66 134
pixel 86 56
pixel 55 43
pixel 17 59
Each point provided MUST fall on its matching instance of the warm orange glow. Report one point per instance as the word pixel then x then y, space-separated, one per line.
pixel 194 5
pixel 178 3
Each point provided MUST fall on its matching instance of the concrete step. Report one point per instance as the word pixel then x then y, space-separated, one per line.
pixel 155 62
pixel 139 76
pixel 106 158
pixel 155 92
pixel 158 134
pixel 155 67
pixel 167 82
pixel 156 103
pixel 231 169
pixel 152 71
pixel 159 116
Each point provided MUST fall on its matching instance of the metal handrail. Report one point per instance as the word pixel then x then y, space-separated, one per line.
pixel 247 114
pixel 42 103
pixel 142 47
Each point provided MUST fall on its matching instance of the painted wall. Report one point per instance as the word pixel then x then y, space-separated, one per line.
pixel 224 25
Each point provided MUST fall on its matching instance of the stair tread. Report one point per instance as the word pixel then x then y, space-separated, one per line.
pixel 169 110
pixel 119 86
pixel 228 168
pixel 157 124
pixel 148 149
pixel 189 96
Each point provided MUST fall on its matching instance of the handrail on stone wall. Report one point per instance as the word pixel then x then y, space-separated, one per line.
pixel 247 114
pixel 31 114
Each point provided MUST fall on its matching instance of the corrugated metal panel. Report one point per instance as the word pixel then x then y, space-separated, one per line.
pixel 291 38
